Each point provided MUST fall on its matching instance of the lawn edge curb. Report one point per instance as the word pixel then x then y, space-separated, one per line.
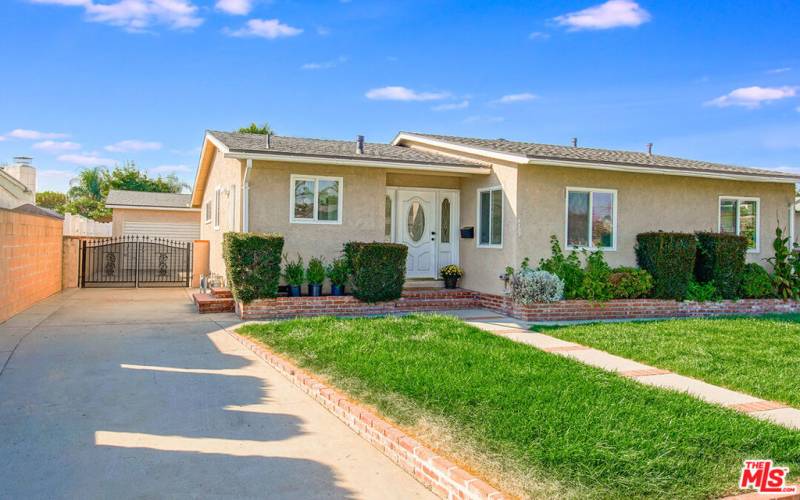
pixel 442 477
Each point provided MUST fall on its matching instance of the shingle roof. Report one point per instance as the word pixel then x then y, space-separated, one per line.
pixel 146 199
pixel 297 146
pixel 535 151
pixel 29 208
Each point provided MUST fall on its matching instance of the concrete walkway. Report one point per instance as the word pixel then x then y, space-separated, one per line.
pixel 518 331
pixel 131 394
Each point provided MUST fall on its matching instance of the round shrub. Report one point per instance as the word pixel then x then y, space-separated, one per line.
pixel 756 282
pixel 529 286
pixel 253 264
pixel 629 283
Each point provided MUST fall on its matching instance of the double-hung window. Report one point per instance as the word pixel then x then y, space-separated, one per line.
pixel 738 215
pixel 315 199
pixel 591 218
pixel 490 217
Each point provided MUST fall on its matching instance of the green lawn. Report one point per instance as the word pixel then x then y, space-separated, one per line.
pixel 759 356
pixel 543 424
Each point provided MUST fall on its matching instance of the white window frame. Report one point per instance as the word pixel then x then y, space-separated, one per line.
pixel 757 249
pixel 232 208
pixel 478 243
pixel 217 203
pixel 615 222
pixel 315 179
pixel 207 213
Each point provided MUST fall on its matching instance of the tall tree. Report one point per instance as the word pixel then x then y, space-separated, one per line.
pixel 52 200
pixel 128 177
pixel 255 129
pixel 90 183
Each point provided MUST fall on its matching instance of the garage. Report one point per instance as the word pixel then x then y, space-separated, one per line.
pixel 153 215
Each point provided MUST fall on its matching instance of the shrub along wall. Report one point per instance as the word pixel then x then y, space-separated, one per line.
pixel 670 259
pixel 253 263
pixel 377 270
pixel 721 260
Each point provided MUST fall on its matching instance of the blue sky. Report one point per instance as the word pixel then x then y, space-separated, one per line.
pixel 104 81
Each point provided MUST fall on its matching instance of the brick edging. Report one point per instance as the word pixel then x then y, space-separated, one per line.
pixel 442 477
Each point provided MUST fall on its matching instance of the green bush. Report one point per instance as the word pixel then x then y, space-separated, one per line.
pixel 595 285
pixel 253 263
pixel 721 259
pixel 702 292
pixel 315 274
pixel 294 271
pixel 378 270
pixel 630 283
pixel 669 258
pixel 566 267
pixel 756 282
pixel 338 272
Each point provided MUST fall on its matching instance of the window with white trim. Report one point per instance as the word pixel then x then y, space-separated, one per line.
pixel 490 217
pixel 315 199
pixel 217 194
pixel 738 215
pixel 208 212
pixel 591 220
pixel 232 208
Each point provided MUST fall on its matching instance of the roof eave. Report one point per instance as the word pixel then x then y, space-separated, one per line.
pixel 203 166
pixel 327 160
pixel 490 153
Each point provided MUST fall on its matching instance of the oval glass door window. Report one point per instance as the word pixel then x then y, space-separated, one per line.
pixel 416 221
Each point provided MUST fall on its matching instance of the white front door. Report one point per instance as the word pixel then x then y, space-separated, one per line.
pixel 417 230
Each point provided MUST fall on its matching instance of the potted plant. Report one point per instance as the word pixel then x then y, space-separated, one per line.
pixel 338 273
pixel 293 273
pixel 315 275
pixel 451 274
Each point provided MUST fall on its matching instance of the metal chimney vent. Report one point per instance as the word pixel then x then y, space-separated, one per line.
pixel 23 160
pixel 360 144
pixel 267 140
pixel 574 142
pixel 649 149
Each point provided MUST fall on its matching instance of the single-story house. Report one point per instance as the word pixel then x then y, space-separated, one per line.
pixel 157 215
pixel 481 203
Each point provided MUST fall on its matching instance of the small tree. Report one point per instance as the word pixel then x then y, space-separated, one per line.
pixel 255 129
pixel 784 279
pixel 52 200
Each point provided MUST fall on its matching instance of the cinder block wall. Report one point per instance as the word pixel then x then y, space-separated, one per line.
pixel 30 260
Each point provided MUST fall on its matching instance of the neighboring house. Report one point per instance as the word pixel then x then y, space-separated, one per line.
pixel 17 183
pixel 162 215
pixel 421 189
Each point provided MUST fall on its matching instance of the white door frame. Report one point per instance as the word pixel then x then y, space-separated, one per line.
pixel 455 219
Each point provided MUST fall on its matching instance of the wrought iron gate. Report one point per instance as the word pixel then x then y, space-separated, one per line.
pixel 136 261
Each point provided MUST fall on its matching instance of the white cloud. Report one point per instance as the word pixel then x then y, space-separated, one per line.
pixel 752 97
pixel 777 71
pixel 265 28
pixel 86 160
pixel 137 15
pixel 235 7
pixel 169 169
pixel 2 138
pixel 397 93
pixel 57 146
pixel 483 119
pixel 133 145
pixel 325 65
pixel 512 98
pixel 451 106
pixel 55 174
pixel 611 14
pixel 323 31
pixel 34 135
pixel 539 35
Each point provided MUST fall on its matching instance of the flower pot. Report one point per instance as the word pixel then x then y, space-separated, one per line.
pixel 314 290
pixel 450 281
pixel 294 290
pixel 337 289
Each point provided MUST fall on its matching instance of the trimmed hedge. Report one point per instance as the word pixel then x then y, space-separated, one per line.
pixel 377 270
pixel 253 262
pixel 669 258
pixel 721 260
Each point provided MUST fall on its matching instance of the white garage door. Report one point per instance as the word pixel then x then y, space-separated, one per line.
pixel 168 230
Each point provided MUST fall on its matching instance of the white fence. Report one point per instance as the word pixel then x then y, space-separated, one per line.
pixel 78 225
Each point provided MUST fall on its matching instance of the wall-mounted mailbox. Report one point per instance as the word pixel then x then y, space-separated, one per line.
pixel 468 232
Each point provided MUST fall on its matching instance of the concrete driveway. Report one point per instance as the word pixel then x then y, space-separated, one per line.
pixel 131 394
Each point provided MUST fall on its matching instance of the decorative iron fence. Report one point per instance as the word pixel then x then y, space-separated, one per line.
pixel 136 261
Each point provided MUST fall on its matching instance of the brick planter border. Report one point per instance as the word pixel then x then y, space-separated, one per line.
pixel 566 310
pixel 442 477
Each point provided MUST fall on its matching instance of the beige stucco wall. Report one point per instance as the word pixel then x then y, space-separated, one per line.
pixel 645 202
pixel 423 181
pixel 362 207
pixel 226 173
pixel 122 215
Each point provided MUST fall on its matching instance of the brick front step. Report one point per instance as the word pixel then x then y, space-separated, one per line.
pixel 221 293
pixel 206 303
